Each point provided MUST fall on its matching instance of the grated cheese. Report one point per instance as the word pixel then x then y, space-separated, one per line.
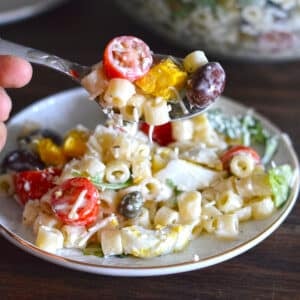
pixel 78 203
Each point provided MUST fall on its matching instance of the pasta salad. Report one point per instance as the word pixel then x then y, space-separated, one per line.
pixel 145 188
pixel 108 191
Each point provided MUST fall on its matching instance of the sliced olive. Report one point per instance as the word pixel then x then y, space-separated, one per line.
pixel 27 141
pixel 131 204
pixel 21 160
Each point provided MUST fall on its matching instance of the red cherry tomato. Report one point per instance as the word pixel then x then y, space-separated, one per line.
pixel 229 154
pixel 127 57
pixel 162 134
pixel 75 201
pixel 33 184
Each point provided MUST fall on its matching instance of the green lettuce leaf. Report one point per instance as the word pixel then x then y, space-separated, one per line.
pixel 280 179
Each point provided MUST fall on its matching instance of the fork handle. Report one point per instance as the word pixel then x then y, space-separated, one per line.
pixel 37 57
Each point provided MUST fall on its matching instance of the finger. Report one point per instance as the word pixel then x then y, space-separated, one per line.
pixel 14 71
pixel 3 134
pixel 5 105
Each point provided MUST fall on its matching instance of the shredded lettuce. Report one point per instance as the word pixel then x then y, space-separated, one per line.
pixel 271 146
pixel 280 178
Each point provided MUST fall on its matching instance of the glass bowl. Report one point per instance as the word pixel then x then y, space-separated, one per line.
pixel 246 29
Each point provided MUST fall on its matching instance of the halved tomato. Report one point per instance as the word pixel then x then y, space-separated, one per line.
pixel 162 134
pixel 231 152
pixel 127 57
pixel 75 201
pixel 33 184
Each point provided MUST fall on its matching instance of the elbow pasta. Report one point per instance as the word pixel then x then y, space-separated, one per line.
pixel 111 242
pixel 227 226
pixel 118 92
pixel 133 109
pixel 263 208
pixel 166 216
pixel 189 206
pixel 229 202
pixel 72 235
pixel 242 165
pixel 31 211
pixel 49 239
pixel 182 130
pixel 117 172
pixel 156 111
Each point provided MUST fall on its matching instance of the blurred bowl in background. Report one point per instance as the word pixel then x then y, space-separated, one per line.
pixel 15 10
pixel 245 29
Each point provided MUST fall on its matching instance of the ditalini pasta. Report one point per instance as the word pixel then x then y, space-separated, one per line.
pixel 111 191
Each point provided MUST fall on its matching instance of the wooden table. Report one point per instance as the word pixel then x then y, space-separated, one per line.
pixel 79 30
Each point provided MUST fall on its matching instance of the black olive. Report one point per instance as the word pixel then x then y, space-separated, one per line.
pixel 21 160
pixel 27 141
pixel 206 84
pixel 131 204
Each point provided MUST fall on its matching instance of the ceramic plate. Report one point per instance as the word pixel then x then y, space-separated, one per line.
pixel 63 111
pixel 14 10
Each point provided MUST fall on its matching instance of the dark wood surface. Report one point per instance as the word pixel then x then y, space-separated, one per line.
pixel 79 30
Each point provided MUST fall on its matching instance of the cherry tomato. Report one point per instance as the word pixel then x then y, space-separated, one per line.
pixel 78 193
pixel 34 184
pixel 162 134
pixel 127 57
pixel 228 155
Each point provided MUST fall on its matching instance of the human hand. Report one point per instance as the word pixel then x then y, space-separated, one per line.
pixel 14 73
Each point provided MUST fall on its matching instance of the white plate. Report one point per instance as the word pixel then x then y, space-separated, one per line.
pixel 14 10
pixel 63 111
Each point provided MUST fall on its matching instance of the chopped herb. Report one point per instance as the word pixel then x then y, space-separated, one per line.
pixel 97 181
pixel 111 186
pixel 172 185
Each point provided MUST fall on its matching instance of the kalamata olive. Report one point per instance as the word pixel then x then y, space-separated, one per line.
pixel 206 84
pixel 131 204
pixel 21 160
pixel 27 141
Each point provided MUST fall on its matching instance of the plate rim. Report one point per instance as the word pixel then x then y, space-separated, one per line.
pixel 188 265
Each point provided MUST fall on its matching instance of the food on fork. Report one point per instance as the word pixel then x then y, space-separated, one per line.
pixel 139 84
